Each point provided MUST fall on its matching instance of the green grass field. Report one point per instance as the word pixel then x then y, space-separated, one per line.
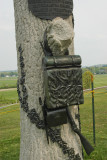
pixel 10 127
pixel 9 133
pixel 8 82
pixel 8 97
pixel 101 123
pixel 100 80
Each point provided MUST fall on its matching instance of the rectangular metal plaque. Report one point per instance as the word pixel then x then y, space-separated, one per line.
pixel 63 86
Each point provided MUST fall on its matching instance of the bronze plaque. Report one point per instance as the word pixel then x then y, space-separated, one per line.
pixel 63 87
pixel 50 9
pixel 56 117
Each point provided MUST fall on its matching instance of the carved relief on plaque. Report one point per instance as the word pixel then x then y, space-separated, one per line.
pixel 64 87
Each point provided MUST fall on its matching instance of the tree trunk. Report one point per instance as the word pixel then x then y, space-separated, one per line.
pixel 33 145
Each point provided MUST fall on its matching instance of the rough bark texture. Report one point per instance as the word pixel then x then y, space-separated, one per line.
pixel 29 34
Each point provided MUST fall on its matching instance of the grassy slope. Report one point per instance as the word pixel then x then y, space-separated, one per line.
pixel 101 123
pixel 9 82
pixel 10 129
pixel 100 80
pixel 8 97
pixel 9 133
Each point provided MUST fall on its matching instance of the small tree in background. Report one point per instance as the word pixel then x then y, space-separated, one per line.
pixel 87 79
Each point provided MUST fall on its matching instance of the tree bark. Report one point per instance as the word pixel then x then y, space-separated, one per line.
pixel 33 144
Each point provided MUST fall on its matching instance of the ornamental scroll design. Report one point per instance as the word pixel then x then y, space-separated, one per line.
pixel 54 134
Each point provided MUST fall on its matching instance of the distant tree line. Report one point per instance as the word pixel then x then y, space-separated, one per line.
pixel 88 71
pixel 9 74
pixel 99 69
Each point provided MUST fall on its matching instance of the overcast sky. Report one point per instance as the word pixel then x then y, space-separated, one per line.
pixel 90 33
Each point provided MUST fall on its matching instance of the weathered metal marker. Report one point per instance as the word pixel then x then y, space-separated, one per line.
pixel 63 88
pixel 50 9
